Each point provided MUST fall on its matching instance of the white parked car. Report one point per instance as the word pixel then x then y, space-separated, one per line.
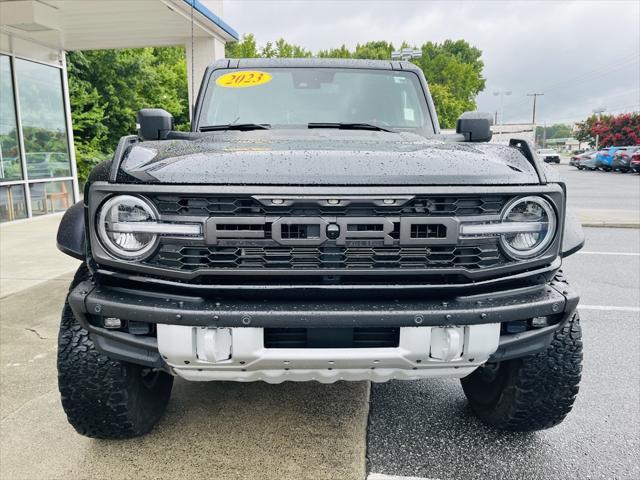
pixel 549 155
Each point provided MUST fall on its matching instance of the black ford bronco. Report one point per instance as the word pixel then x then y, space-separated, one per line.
pixel 315 224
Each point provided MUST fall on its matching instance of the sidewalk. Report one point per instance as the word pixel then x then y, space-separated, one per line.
pixel 290 431
pixel 28 254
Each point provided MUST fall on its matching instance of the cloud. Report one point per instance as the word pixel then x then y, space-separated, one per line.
pixel 580 54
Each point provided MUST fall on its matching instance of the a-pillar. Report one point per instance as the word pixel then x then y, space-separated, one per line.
pixel 205 51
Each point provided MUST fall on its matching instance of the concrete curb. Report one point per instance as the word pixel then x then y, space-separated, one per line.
pixel 606 224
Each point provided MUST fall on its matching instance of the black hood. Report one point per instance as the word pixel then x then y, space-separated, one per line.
pixel 324 157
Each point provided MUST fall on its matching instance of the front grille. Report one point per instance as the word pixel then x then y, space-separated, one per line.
pixel 323 235
pixel 191 258
pixel 363 337
pixel 246 205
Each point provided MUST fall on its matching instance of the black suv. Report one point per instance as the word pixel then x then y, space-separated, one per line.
pixel 315 224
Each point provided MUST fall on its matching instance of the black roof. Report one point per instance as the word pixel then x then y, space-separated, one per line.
pixel 314 62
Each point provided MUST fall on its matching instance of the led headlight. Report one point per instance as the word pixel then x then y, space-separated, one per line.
pixel 529 226
pixel 126 226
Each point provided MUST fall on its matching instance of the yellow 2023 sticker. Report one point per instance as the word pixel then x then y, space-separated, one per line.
pixel 243 79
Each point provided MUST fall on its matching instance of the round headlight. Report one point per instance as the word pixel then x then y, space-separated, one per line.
pixel 121 226
pixel 536 226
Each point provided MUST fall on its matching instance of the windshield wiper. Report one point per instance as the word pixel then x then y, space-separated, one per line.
pixel 351 126
pixel 244 127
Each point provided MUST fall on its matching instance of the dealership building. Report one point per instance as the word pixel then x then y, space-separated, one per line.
pixel 37 161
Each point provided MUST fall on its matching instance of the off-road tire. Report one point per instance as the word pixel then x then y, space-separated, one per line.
pixel 102 397
pixel 533 392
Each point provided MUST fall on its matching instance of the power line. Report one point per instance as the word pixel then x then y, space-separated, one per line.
pixel 583 77
pixel 622 62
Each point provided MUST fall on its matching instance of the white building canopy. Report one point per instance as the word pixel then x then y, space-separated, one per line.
pixel 86 24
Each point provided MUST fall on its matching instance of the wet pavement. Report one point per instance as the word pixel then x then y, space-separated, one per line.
pixel 425 428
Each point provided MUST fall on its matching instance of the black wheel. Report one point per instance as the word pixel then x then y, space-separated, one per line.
pixel 102 397
pixel 533 392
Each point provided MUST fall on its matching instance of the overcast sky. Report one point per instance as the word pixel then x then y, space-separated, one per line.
pixel 581 54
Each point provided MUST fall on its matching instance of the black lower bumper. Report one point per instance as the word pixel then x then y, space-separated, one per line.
pixel 147 306
pixel 91 303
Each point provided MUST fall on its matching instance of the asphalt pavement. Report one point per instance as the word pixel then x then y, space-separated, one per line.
pixel 602 198
pixel 425 428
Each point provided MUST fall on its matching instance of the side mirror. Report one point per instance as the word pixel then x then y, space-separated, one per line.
pixel 154 123
pixel 475 126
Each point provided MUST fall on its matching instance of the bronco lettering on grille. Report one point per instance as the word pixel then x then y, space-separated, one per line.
pixel 345 231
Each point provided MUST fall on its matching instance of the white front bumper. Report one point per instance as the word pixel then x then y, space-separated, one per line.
pixel 238 354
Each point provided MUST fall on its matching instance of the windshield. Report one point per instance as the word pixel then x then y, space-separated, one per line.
pixel 548 150
pixel 286 97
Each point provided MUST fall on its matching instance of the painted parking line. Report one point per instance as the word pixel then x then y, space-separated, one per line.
pixel 382 476
pixel 609 308
pixel 623 254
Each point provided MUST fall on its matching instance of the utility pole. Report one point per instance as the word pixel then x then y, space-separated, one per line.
pixel 502 93
pixel 535 96
pixel 544 135
pixel 598 112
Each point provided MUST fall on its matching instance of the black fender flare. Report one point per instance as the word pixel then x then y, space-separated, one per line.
pixel 71 237
pixel 573 235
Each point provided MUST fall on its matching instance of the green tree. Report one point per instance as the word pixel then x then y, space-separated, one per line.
pixel 288 50
pixel 246 48
pixel 108 87
pixel 88 112
pixel 379 50
pixel 454 72
pixel 559 130
pixel 342 52
pixel 584 130
pixel 448 107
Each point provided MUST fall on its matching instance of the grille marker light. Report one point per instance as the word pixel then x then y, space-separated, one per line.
pixel 155 227
pixel 500 228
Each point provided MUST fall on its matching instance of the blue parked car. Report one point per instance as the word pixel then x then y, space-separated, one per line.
pixel 604 158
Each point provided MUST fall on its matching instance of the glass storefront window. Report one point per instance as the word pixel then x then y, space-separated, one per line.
pixel 50 197
pixel 43 120
pixel 12 203
pixel 10 168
